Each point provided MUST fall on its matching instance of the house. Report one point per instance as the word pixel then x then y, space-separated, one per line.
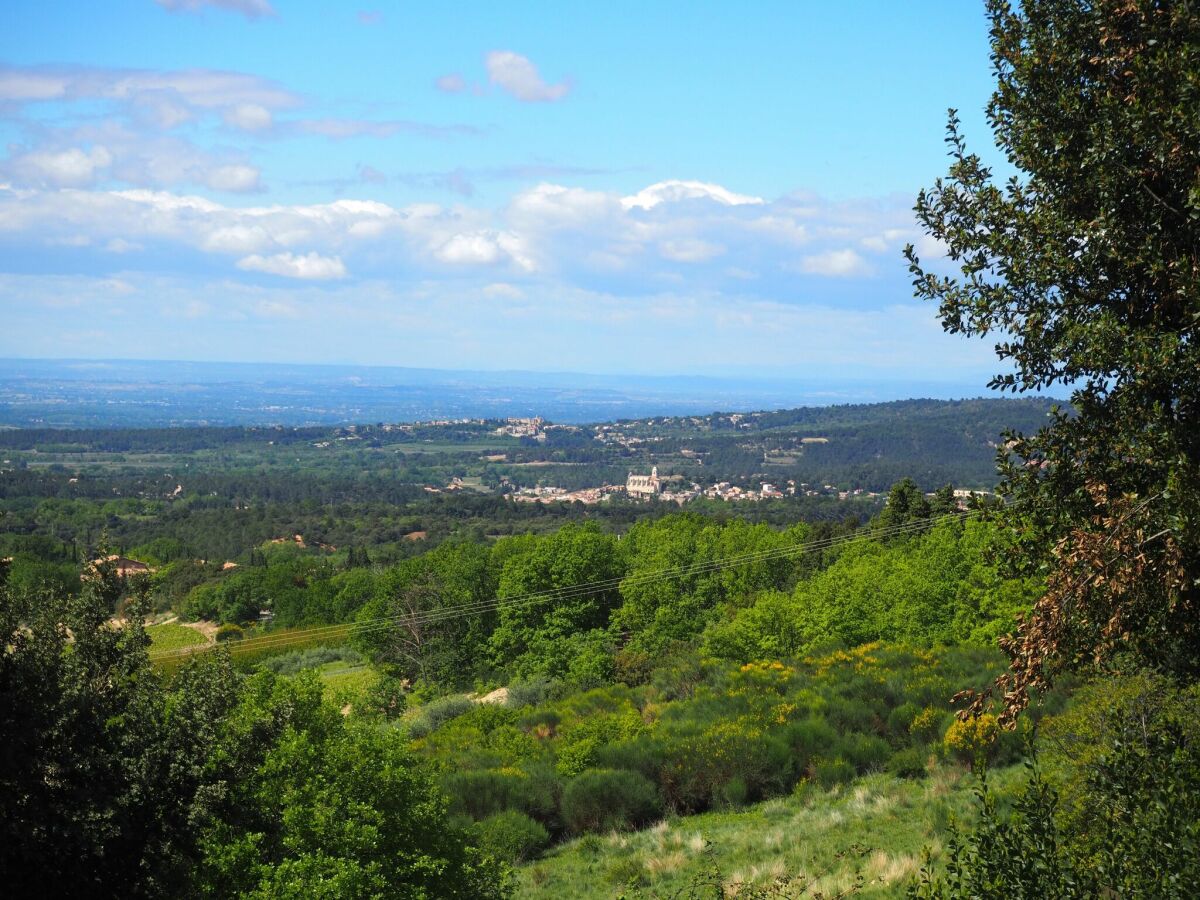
pixel 123 566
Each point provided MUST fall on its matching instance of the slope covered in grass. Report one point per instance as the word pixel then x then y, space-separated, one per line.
pixel 807 834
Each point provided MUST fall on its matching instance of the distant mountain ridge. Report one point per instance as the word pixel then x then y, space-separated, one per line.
pixel 40 393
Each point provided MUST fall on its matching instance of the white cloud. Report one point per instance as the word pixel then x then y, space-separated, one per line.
pixel 309 267
pixel 340 129
pixel 501 290
pixel 552 205
pixel 120 245
pixel 705 238
pixel 249 117
pixel 689 250
pixel 930 248
pixel 517 75
pixel 236 179
pixel 207 89
pixel 251 9
pixel 834 264
pixel 73 167
pixel 452 83
pixel 676 191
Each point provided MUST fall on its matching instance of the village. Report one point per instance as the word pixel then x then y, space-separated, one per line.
pixel 654 487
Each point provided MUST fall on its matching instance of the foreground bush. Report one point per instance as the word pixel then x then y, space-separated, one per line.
pixel 605 799
pixel 512 836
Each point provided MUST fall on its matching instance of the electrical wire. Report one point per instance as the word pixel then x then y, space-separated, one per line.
pixel 411 620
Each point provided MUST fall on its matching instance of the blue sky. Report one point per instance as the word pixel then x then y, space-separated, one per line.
pixel 619 187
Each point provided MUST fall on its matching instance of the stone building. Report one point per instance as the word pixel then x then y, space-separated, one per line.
pixel 644 485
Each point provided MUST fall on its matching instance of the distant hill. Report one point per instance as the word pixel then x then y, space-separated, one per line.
pixel 149 394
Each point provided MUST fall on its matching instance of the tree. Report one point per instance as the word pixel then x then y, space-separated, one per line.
pixel 438 612
pixel 322 806
pixel 100 764
pixel 1086 267
pixel 117 782
pixel 905 503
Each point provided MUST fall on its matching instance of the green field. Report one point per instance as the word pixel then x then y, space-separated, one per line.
pixel 803 836
pixel 173 637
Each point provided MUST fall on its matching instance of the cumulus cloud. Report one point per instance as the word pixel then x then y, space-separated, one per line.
pixel 249 117
pixel 71 167
pixel 517 75
pixel 309 267
pixel 689 250
pixel 676 191
pixel 843 263
pixel 691 236
pixel 251 9
pixel 237 179
pixel 485 248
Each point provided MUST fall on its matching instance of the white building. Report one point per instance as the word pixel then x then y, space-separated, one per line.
pixel 644 485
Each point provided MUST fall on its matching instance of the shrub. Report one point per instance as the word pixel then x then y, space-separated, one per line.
pixel 482 793
pixel 530 692
pixel 512 836
pixel 386 697
pixel 971 740
pixel 927 723
pixel 908 763
pixel 643 755
pixel 229 632
pixel 540 723
pixel 810 737
pixel 866 752
pixel 308 658
pixel 846 714
pixel 603 799
pixel 830 772
pixel 436 713
pixel 733 793
pixel 900 719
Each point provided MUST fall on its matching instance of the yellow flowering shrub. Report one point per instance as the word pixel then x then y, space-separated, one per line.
pixel 972 739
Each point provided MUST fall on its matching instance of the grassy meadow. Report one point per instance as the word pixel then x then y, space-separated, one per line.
pixel 877 825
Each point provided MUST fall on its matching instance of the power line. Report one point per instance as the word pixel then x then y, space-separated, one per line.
pixel 280 641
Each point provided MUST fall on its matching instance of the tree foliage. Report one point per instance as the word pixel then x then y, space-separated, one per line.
pixel 1086 267
pixel 116 782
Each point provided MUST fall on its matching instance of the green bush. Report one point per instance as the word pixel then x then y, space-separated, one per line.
pixel 529 692
pixel 901 718
pixel 387 697
pixel 908 763
pixel 733 793
pixel 483 793
pixel 866 752
pixel 308 658
pixel 830 772
pixel 604 799
pixel 229 632
pixel 643 755
pixel 436 713
pixel 847 714
pixel 511 836
pixel 810 737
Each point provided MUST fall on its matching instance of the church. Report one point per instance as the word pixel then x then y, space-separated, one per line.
pixel 643 485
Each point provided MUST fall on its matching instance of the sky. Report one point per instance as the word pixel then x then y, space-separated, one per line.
pixel 649 187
